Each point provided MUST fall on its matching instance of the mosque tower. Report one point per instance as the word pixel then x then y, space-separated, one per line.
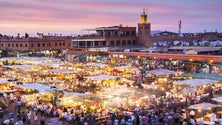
pixel 144 37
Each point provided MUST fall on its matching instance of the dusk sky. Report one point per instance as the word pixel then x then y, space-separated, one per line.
pixel 71 16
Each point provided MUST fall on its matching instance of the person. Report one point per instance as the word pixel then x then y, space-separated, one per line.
pixel 189 122
pixel 19 105
pixel 60 122
pixel 10 122
pixel 193 121
pixel 192 114
pixel 23 117
pixel 1 114
pixel 184 113
pixel 109 122
pixel 29 116
pixel 176 118
pixel 123 121
pixel 42 120
pixel 165 121
pixel 153 121
pixel 201 123
pixel 213 117
pixel 35 116
pixel 116 121
pixel 11 97
pixel 130 121
pixel 19 122
pixel 18 115
pixel 22 100
pixel 220 121
pixel 184 122
pixel 5 96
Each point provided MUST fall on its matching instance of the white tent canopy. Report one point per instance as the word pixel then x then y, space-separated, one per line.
pixel 101 77
pixel 122 67
pixel 56 81
pixel 21 66
pixel 3 81
pixel 51 64
pixel 203 106
pixel 96 64
pixel 218 99
pixel 196 82
pixel 37 86
pixel 64 71
pixel 162 72
pixel 33 60
pixel 188 90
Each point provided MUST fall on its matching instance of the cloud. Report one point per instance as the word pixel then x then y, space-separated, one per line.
pixel 73 16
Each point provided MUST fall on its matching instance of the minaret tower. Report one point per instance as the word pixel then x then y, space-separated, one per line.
pixel 144 37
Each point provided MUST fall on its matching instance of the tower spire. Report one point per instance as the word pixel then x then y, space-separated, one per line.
pixel 143 19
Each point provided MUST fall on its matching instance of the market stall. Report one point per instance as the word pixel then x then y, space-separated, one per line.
pixel 125 71
pixel 161 76
pixel 206 110
pixel 35 86
pixel 38 92
pixel 199 88
pixel 7 86
pixel 63 73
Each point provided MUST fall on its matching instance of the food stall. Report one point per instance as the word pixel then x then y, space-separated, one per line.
pixel 205 109
pixel 36 91
pixel 7 85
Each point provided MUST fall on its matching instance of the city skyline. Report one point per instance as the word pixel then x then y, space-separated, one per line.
pixel 69 17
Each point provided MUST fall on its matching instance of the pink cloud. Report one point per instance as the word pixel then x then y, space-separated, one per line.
pixel 70 16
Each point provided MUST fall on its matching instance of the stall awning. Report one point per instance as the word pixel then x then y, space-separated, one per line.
pixel 195 82
pixel 123 67
pixel 203 76
pixel 101 77
pixel 3 81
pixel 188 90
pixel 64 71
pixel 21 66
pixel 218 99
pixel 162 72
pixel 203 106
pixel 37 86
pixel 96 64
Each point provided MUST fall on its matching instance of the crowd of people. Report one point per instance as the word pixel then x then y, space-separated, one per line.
pixel 162 110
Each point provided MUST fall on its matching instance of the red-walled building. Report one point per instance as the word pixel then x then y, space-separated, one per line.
pixel 119 36
pixel 35 44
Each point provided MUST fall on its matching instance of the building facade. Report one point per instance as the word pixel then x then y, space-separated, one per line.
pixel 35 44
pixel 105 37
